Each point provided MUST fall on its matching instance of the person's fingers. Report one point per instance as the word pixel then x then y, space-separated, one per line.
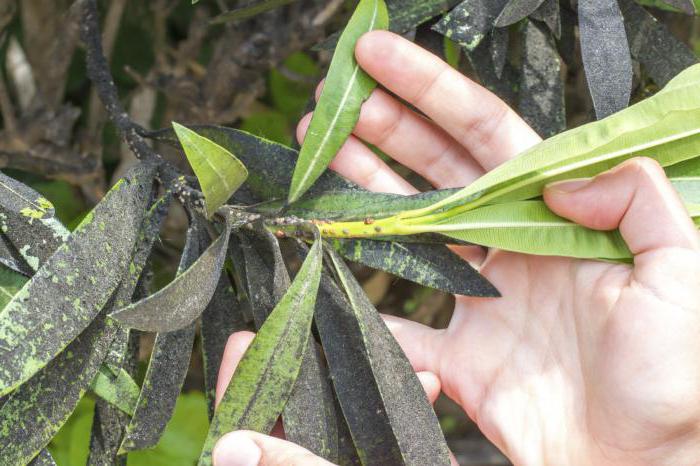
pixel 476 118
pixel 247 448
pixel 359 164
pixel 414 141
pixel 431 384
pixel 236 345
pixel 422 344
pixel 635 197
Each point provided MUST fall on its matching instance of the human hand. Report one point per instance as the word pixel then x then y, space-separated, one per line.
pixel 579 362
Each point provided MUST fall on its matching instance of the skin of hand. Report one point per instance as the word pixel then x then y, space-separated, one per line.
pixel 579 362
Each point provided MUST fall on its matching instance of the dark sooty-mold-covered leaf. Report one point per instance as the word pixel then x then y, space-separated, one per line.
pixel 505 85
pixel 68 291
pixel 541 88
pixel 27 220
pixel 470 21
pixel 270 164
pixel 183 300
pixel 550 14
pixel 606 55
pixel 499 49
pixel 377 388
pixel 686 6
pixel 109 422
pixel 269 368
pixel 308 416
pixel 167 366
pixel 222 317
pixel 517 10
pixel 431 265
pixel 654 46
pixel 33 414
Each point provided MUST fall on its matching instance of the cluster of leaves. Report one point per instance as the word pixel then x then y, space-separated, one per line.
pixel 73 304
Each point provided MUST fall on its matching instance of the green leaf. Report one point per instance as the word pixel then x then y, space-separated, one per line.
pixel 309 415
pixel 75 283
pixel 167 366
pixel 431 265
pixel 10 284
pixel 663 127
pixel 389 416
pixel 248 11
pixel 530 227
pixel 118 389
pixel 266 374
pixel 219 172
pixel 34 412
pixel 183 300
pixel 347 86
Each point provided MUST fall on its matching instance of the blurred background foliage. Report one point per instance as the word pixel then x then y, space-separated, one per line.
pixel 171 65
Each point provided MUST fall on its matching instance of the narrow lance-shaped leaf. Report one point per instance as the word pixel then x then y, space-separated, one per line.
pixel 12 259
pixel 541 88
pixel 347 86
pixel 375 383
pixel 430 265
pixel 517 10
pixel 606 55
pixel 69 290
pixel 309 415
pixel 550 14
pixel 470 21
pixel 503 82
pixel 266 374
pixel 183 300
pixel 33 414
pixel 110 422
pixel 27 219
pixel 663 127
pixel 118 389
pixel 222 317
pixel 500 37
pixel 249 11
pixel 653 45
pixel 687 6
pixel 530 227
pixel 219 172
pixel 167 366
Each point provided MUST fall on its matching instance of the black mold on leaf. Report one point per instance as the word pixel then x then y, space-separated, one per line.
pixel 517 10
pixel 606 55
pixel 65 295
pixel 499 49
pixel 167 366
pixel 541 89
pixel 550 14
pixel 506 85
pixel 12 259
pixel 44 458
pixel 181 302
pixel 430 265
pixel 34 413
pixel 686 6
pixel 359 349
pixel 470 21
pixel 661 54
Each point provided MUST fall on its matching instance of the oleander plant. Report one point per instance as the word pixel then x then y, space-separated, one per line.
pixel 76 300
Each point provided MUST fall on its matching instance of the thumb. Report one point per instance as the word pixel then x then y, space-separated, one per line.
pixel 246 448
pixel 635 197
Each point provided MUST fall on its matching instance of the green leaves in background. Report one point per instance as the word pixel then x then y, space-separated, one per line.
pixel 266 374
pixel 117 388
pixel 219 172
pixel 10 283
pixel 338 109
pixel 65 295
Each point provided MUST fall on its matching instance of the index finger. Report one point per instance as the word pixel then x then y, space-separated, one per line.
pixel 490 130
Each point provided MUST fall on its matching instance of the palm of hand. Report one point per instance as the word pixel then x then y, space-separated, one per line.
pixel 580 359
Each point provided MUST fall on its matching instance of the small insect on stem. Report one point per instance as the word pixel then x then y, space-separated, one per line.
pixel 378 229
pixel 280 234
pixel 346 232
pixel 369 221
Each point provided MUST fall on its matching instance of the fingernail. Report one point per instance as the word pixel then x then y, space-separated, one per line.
pixel 569 186
pixel 236 449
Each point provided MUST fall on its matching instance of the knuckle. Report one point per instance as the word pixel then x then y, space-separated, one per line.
pixel 646 167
